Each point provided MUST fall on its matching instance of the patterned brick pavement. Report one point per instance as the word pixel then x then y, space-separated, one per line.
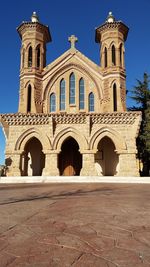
pixel 79 225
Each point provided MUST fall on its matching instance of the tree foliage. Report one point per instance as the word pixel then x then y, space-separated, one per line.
pixel 141 95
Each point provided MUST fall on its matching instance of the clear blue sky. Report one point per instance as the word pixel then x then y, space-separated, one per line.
pixel 64 18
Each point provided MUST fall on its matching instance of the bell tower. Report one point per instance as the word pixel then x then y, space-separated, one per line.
pixel 111 36
pixel 34 36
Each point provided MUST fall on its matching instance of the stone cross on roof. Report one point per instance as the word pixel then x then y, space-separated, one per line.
pixel 73 39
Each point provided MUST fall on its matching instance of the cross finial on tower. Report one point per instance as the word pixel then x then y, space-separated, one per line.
pixel 73 39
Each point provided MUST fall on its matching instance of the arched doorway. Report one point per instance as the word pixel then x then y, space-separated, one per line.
pixel 33 160
pixel 70 159
pixel 106 158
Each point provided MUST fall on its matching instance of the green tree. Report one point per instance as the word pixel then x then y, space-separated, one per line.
pixel 141 95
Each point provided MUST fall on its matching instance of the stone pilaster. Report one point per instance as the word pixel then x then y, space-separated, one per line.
pixel 88 165
pixel 13 165
pixel 128 165
pixel 51 164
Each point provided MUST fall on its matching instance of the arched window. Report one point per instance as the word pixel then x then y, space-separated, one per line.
pixel 120 54
pixel 114 97
pixel 91 102
pixel 72 89
pixel 113 55
pixel 81 94
pixel 29 98
pixel 52 102
pixel 105 57
pixel 30 57
pixel 62 94
pixel 38 54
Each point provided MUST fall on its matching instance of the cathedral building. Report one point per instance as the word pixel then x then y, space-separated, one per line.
pixel 72 118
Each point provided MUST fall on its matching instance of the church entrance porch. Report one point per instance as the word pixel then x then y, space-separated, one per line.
pixel 70 159
pixel 33 160
pixel 106 159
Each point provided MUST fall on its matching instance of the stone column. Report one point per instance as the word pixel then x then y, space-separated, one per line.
pixel 51 164
pixel 13 164
pixel 88 165
pixel 128 165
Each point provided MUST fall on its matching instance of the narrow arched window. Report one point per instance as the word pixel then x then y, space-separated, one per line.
pixel 62 94
pixel 52 102
pixel 72 89
pixel 81 94
pixel 29 98
pixel 120 54
pixel 113 55
pixel 91 102
pixel 114 97
pixel 30 57
pixel 38 54
pixel 105 57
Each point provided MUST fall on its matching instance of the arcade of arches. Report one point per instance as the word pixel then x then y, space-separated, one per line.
pixel 69 160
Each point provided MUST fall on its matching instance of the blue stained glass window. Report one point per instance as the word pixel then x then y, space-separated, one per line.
pixel 52 102
pixel 81 94
pixel 62 94
pixel 72 89
pixel 91 102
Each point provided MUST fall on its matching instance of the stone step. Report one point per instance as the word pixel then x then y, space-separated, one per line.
pixel 74 179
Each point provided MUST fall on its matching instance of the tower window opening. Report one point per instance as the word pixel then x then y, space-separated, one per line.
pixel 52 102
pixel 114 97
pixel 38 56
pixel 91 102
pixel 81 94
pixel 30 57
pixel 105 57
pixel 29 99
pixel 113 55
pixel 62 94
pixel 72 89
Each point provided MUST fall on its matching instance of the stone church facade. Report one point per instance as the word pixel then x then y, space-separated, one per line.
pixel 72 117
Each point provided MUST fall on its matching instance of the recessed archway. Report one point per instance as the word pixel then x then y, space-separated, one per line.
pixel 70 159
pixel 106 159
pixel 33 159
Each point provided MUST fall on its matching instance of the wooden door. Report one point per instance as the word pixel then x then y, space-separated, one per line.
pixel 70 159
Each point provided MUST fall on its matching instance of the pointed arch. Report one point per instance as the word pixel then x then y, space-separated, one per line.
pixel 62 94
pixel 38 56
pixel 52 102
pixel 114 97
pixel 91 102
pixel 70 132
pixel 72 89
pixel 61 72
pixel 29 98
pixel 28 134
pixel 105 57
pixel 118 141
pixel 30 56
pixel 113 52
pixel 81 94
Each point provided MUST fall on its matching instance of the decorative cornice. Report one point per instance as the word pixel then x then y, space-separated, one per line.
pixel 36 26
pixel 113 25
pixel 95 118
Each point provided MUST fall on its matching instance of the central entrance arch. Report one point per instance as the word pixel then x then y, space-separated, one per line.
pixel 70 159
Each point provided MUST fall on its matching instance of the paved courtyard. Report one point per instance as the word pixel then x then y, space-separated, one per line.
pixel 79 225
